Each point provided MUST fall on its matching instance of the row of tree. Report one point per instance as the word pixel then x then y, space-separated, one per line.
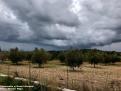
pixel 72 58
pixel 39 56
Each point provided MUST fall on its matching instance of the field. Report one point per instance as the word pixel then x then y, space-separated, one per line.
pixel 57 74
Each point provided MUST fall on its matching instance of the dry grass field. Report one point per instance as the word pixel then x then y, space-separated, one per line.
pixel 55 74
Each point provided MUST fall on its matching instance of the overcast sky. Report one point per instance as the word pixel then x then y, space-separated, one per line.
pixel 60 24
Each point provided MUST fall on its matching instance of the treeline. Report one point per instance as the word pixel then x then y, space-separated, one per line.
pixel 72 58
pixel 38 56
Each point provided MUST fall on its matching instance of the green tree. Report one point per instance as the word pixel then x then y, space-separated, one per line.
pixel 15 55
pixel 62 57
pixel 94 60
pixel 107 59
pixel 115 59
pixel 73 59
pixel 95 57
pixel 28 56
pixel 40 56
pixel 3 56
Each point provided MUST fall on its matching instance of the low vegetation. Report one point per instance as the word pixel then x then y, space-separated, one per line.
pixel 93 69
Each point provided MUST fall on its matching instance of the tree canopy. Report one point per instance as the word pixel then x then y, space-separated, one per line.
pixel 15 55
pixel 40 56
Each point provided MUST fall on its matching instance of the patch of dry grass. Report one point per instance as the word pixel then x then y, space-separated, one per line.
pixel 55 74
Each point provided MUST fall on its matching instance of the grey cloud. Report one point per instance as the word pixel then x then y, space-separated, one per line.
pixel 22 46
pixel 111 47
pixel 62 23
pixel 44 11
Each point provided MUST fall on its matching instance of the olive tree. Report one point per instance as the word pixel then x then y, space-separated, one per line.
pixel 94 60
pixel 62 57
pixel 40 56
pixel 73 59
pixel 15 55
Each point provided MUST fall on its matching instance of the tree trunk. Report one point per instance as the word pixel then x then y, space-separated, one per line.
pixel 73 68
pixel 94 65
pixel 39 65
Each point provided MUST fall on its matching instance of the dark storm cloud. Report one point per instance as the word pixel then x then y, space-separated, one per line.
pixel 61 23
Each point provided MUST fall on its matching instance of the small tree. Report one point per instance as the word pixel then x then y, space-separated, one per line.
pixel 28 56
pixel 95 57
pixel 107 59
pixel 15 55
pixel 39 56
pixel 73 59
pixel 94 60
pixel 115 59
pixel 3 56
pixel 62 57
